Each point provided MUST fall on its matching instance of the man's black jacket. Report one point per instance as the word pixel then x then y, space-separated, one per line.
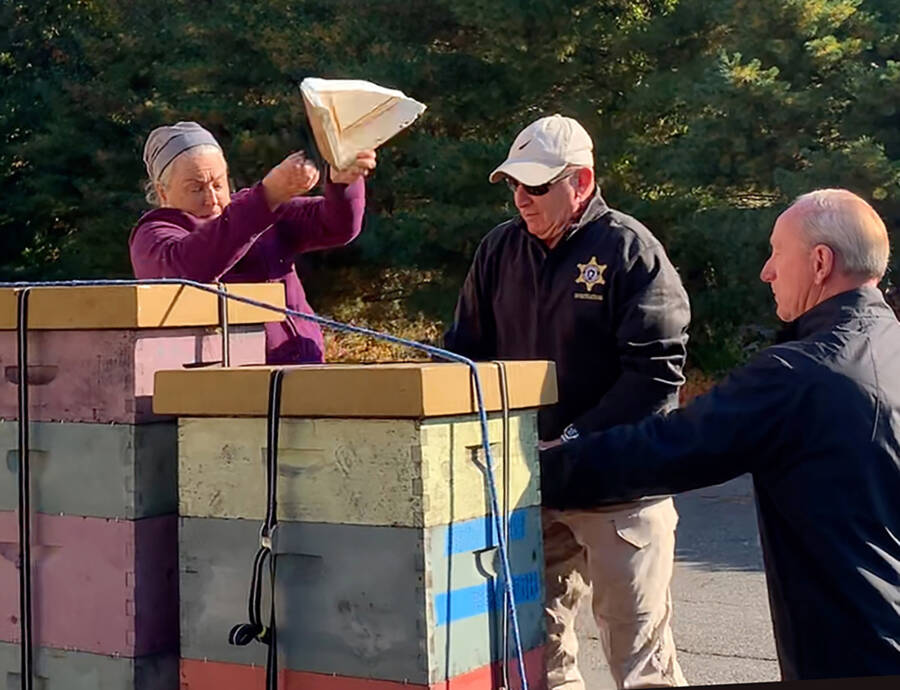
pixel 817 422
pixel 605 304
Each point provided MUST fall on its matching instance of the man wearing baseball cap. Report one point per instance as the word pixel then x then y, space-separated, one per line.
pixel 571 280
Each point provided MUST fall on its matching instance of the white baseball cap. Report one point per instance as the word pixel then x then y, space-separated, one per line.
pixel 543 150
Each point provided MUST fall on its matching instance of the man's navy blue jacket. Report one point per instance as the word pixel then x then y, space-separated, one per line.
pixel 605 304
pixel 816 420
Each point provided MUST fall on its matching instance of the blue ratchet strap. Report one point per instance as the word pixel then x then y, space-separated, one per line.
pixel 508 612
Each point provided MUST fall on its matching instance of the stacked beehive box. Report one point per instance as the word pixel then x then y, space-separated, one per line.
pixel 387 568
pixel 104 476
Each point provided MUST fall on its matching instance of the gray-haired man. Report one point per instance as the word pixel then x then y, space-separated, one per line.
pixel 816 421
pixel 574 281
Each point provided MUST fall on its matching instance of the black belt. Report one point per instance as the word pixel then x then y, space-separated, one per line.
pixel 25 608
pixel 244 633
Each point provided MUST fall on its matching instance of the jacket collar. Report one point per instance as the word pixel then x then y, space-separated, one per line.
pixel 596 207
pixel 835 310
pixel 172 215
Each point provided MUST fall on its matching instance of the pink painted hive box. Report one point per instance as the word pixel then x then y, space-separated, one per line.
pixel 100 585
pixel 93 351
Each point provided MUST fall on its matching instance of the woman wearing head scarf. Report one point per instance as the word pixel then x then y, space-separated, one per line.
pixel 200 231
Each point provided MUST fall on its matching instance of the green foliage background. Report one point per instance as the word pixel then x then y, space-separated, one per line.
pixel 708 117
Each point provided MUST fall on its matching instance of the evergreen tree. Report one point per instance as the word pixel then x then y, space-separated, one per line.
pixel 708 117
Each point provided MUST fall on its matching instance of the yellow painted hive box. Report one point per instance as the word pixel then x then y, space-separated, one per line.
pixel 387 444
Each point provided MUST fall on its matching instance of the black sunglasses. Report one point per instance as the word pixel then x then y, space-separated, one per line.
pixel 536 190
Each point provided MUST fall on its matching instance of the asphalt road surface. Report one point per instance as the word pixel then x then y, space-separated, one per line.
pixel 721 620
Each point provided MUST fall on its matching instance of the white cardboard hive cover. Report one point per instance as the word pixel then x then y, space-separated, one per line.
pixel 351 115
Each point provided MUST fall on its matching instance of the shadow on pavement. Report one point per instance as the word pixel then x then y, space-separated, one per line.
pixel 717 528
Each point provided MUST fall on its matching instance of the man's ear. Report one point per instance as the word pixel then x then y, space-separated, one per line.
pixel 584 183
pixel 823 258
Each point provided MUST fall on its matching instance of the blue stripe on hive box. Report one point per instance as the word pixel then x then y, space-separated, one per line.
pixel 478 600
pixel 478 533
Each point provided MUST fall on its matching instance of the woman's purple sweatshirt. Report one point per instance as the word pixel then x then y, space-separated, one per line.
pixel 248 243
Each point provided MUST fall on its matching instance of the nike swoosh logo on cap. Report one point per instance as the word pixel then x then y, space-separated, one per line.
pixel 524 145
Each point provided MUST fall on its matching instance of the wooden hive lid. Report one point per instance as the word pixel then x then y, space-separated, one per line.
pixel 137 306
pixel 395 390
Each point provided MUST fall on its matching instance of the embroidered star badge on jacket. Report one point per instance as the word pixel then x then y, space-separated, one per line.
pixel 591 274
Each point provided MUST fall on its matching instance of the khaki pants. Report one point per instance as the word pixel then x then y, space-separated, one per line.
pixel 625 555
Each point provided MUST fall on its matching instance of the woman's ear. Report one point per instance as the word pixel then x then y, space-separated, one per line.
pixel 160 193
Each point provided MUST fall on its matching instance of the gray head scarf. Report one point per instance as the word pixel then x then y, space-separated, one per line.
pixel 166 143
